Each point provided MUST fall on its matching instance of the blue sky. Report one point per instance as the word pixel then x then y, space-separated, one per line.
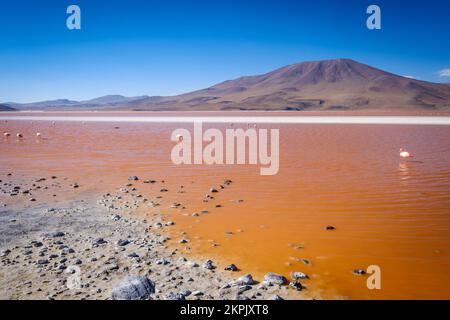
pixel 136 47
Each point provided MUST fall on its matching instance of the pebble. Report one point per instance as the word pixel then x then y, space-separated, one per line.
pixel 174 296
pixel 209 265
pixel 99 241
pixel 122 242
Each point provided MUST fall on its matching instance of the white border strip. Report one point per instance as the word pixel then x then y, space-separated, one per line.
pixel 387 120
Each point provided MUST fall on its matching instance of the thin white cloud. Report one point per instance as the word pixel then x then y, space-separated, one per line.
pixel 444 73
pixel 410 77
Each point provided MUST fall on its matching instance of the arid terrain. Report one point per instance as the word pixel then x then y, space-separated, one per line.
pixel 328 85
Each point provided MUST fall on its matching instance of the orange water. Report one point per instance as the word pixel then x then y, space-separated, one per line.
pixel 388 212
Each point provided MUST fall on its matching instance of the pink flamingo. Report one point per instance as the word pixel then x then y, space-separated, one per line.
pixel 405 154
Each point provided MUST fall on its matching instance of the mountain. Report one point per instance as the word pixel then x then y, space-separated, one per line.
pixel 6 108
pixel 108 101
pixel 113 99
pixel 340 84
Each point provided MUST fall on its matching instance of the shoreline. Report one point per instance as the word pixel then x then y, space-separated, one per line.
pixel 309 119
pixel 42 245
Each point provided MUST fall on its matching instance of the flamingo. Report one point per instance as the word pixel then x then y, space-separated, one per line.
pixel 405 154
pixel 19 135
pixel 6 134
pixel 38 134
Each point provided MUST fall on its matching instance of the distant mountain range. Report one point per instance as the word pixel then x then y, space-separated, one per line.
pixel 341 84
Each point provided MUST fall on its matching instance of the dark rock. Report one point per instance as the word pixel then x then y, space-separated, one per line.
pixel 55 234
pixel 133 178
pixel 4 253
pixel 359 272
pixel 99 241
pixel 330 228
pixel 296 285
pixel 209 265
pixel 231 267
pixel 134 288
pixel 133 255
pixel 122 242
pixel 186 293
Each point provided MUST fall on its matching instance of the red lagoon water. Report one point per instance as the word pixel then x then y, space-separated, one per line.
pixel 387 211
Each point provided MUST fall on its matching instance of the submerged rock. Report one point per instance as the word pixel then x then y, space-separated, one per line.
pixel 297 275
pixel 296 285
pixel 134 288
pixel 359 272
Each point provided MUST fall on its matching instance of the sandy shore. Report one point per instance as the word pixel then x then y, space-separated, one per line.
pixel 97 241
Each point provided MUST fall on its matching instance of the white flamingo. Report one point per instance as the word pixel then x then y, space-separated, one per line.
pixel 19 135
pixel 38 134
pixel 6 134
pixel 405 154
